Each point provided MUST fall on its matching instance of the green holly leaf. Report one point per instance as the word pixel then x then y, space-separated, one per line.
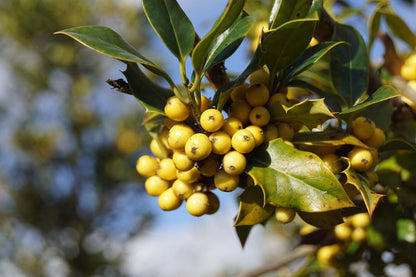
pixel 349 64
pixel 324 220
pixel 286 10
pixel 283 45
pixel 172 25
pixel 242 232
pixel 362 185
pixel 296 179
pixel 106 41
pixel 310 112
pixel 328 138
pixel 399 28
pixel 397 144
pixel 149 94
pixel 252 209
pixel 373 26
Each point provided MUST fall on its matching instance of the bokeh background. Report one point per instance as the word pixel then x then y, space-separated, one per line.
pixel 71 202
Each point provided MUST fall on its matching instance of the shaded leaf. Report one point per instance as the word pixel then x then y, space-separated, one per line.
pixel 373 26
pixel 283 45
pixel 106 41
pixel 349 64
pixel 172 25
pixel 308 112
pixel 380 113
pixel 228 42
pixel 252 209
pixel 149 94
pixel 324 220
pixel 328 138
pixel 384 93
pixel 397 144
pixel 362 185
pixel 242 233
pixel 296 179
pixel 399 28
pixel 286 10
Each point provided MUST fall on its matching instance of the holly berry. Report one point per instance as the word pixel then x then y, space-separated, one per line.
pixel 257 133
pixel 166 169
pixel 211 120
pixel 363 128
pixel 182 189
pixel 232 125
pixel 176 110
pixel 259 116
pixel 361 159
pixel 169 201
pixel 221 142
pixel 155 185
pixel 284 215
pixel 234 163
pixel 226 182
pixel 198 147
pixel 257 94
pixel 178 135
pixel 146 166
pixel 243 141
pixel 197 204
pixel 182 161
pixel 240 109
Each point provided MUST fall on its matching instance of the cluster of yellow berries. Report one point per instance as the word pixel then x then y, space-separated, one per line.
pixel 354 228
pixel 408 69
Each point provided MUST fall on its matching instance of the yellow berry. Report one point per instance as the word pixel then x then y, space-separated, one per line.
pixel 157 149
pixel 178 135
pixel 277 98
pixel 240 109
pixel 257 133
pixel 226 182
pixel 408 71
pixel 257 94
pixel 197 204
pixel 363 128
pixel 182 161
pixel 343 231
pixel 198 147
pixel 211 120
pixel 286 131
pixel 166 169
pixel 146 166
pixel 155 185
pixel 182 189
pixel 189 176
pixel 259 76
pixel 232 125
pixel 239 92
pixel 377 139
pixel 168 200
pixel 205 103
pixel 271 132
pixel 209 166
pixel 214 202
pixel 327 254
pixel 259 116
pixel 221 142
pixel 361 159
pixel 284 215
pixel 234 163
pixel 333 163
pixel 359 234
pixel 243 141
pixel 176 110
pixel 360 220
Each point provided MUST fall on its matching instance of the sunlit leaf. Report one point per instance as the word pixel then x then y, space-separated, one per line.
pixel 399 28
pixel 327 138
pixel 172 25
pixel 296 179
pixel 308 112
pixel 286 10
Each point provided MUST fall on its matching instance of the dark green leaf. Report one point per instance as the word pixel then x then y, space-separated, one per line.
pixel 152 96
pixel 324 220
pixel 349 64
pixel 384 93
pixel 307 59
pixel 361 184
pixel 242 233
pixel 308 112
pixel 283 45
pixel 399 28
pixel 380 113
pixel 316 8
pixel 296 179
pixel 286 10
pixel 397 144
pixel 172 25
pixel 106 41
pixel 228 42
pixel 373 26
pixel 227 18
pixel 252 209
pixel 327 138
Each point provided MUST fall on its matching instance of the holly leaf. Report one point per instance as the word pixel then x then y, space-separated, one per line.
pixel 384 93
pixel 327 138
pixel 283 45
pixel 106 41
pixel 228 17
pixel 310 112
pixel 399 28
pixel 296 179
pixel 324 220
pixel 349 64
pixel 373 26
pixel 252 209
pixel 286 10
pixel 172 25
pixel 362 185
pixel 242 232
pixel 228 42
pixel 149 94
pixel 397 144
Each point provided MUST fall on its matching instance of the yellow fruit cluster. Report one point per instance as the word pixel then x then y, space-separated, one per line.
pixel 408 69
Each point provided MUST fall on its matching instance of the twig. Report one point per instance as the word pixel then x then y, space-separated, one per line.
pixel 297 253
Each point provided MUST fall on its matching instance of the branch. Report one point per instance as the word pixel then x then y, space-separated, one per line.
pixel 297 253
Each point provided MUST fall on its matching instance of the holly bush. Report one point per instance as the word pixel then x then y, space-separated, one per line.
pixel 311 127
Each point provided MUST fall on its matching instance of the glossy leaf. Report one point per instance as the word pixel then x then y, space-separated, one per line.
pixel 172 25
pixel 324 220
pixel 381 113
pixel 397 144
pixel 399 28
pixel 286 10
pixel 384 93
pixel 316 8
pixel 283 45
pixel 228 42
pixel 308 112
pixel 149 94
pixel 252 209
pixel 307 59
pixel 296 179
pixel 328 138
pixel 361 184
pixel 227 18
pixel 349 64
pixel 106 41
